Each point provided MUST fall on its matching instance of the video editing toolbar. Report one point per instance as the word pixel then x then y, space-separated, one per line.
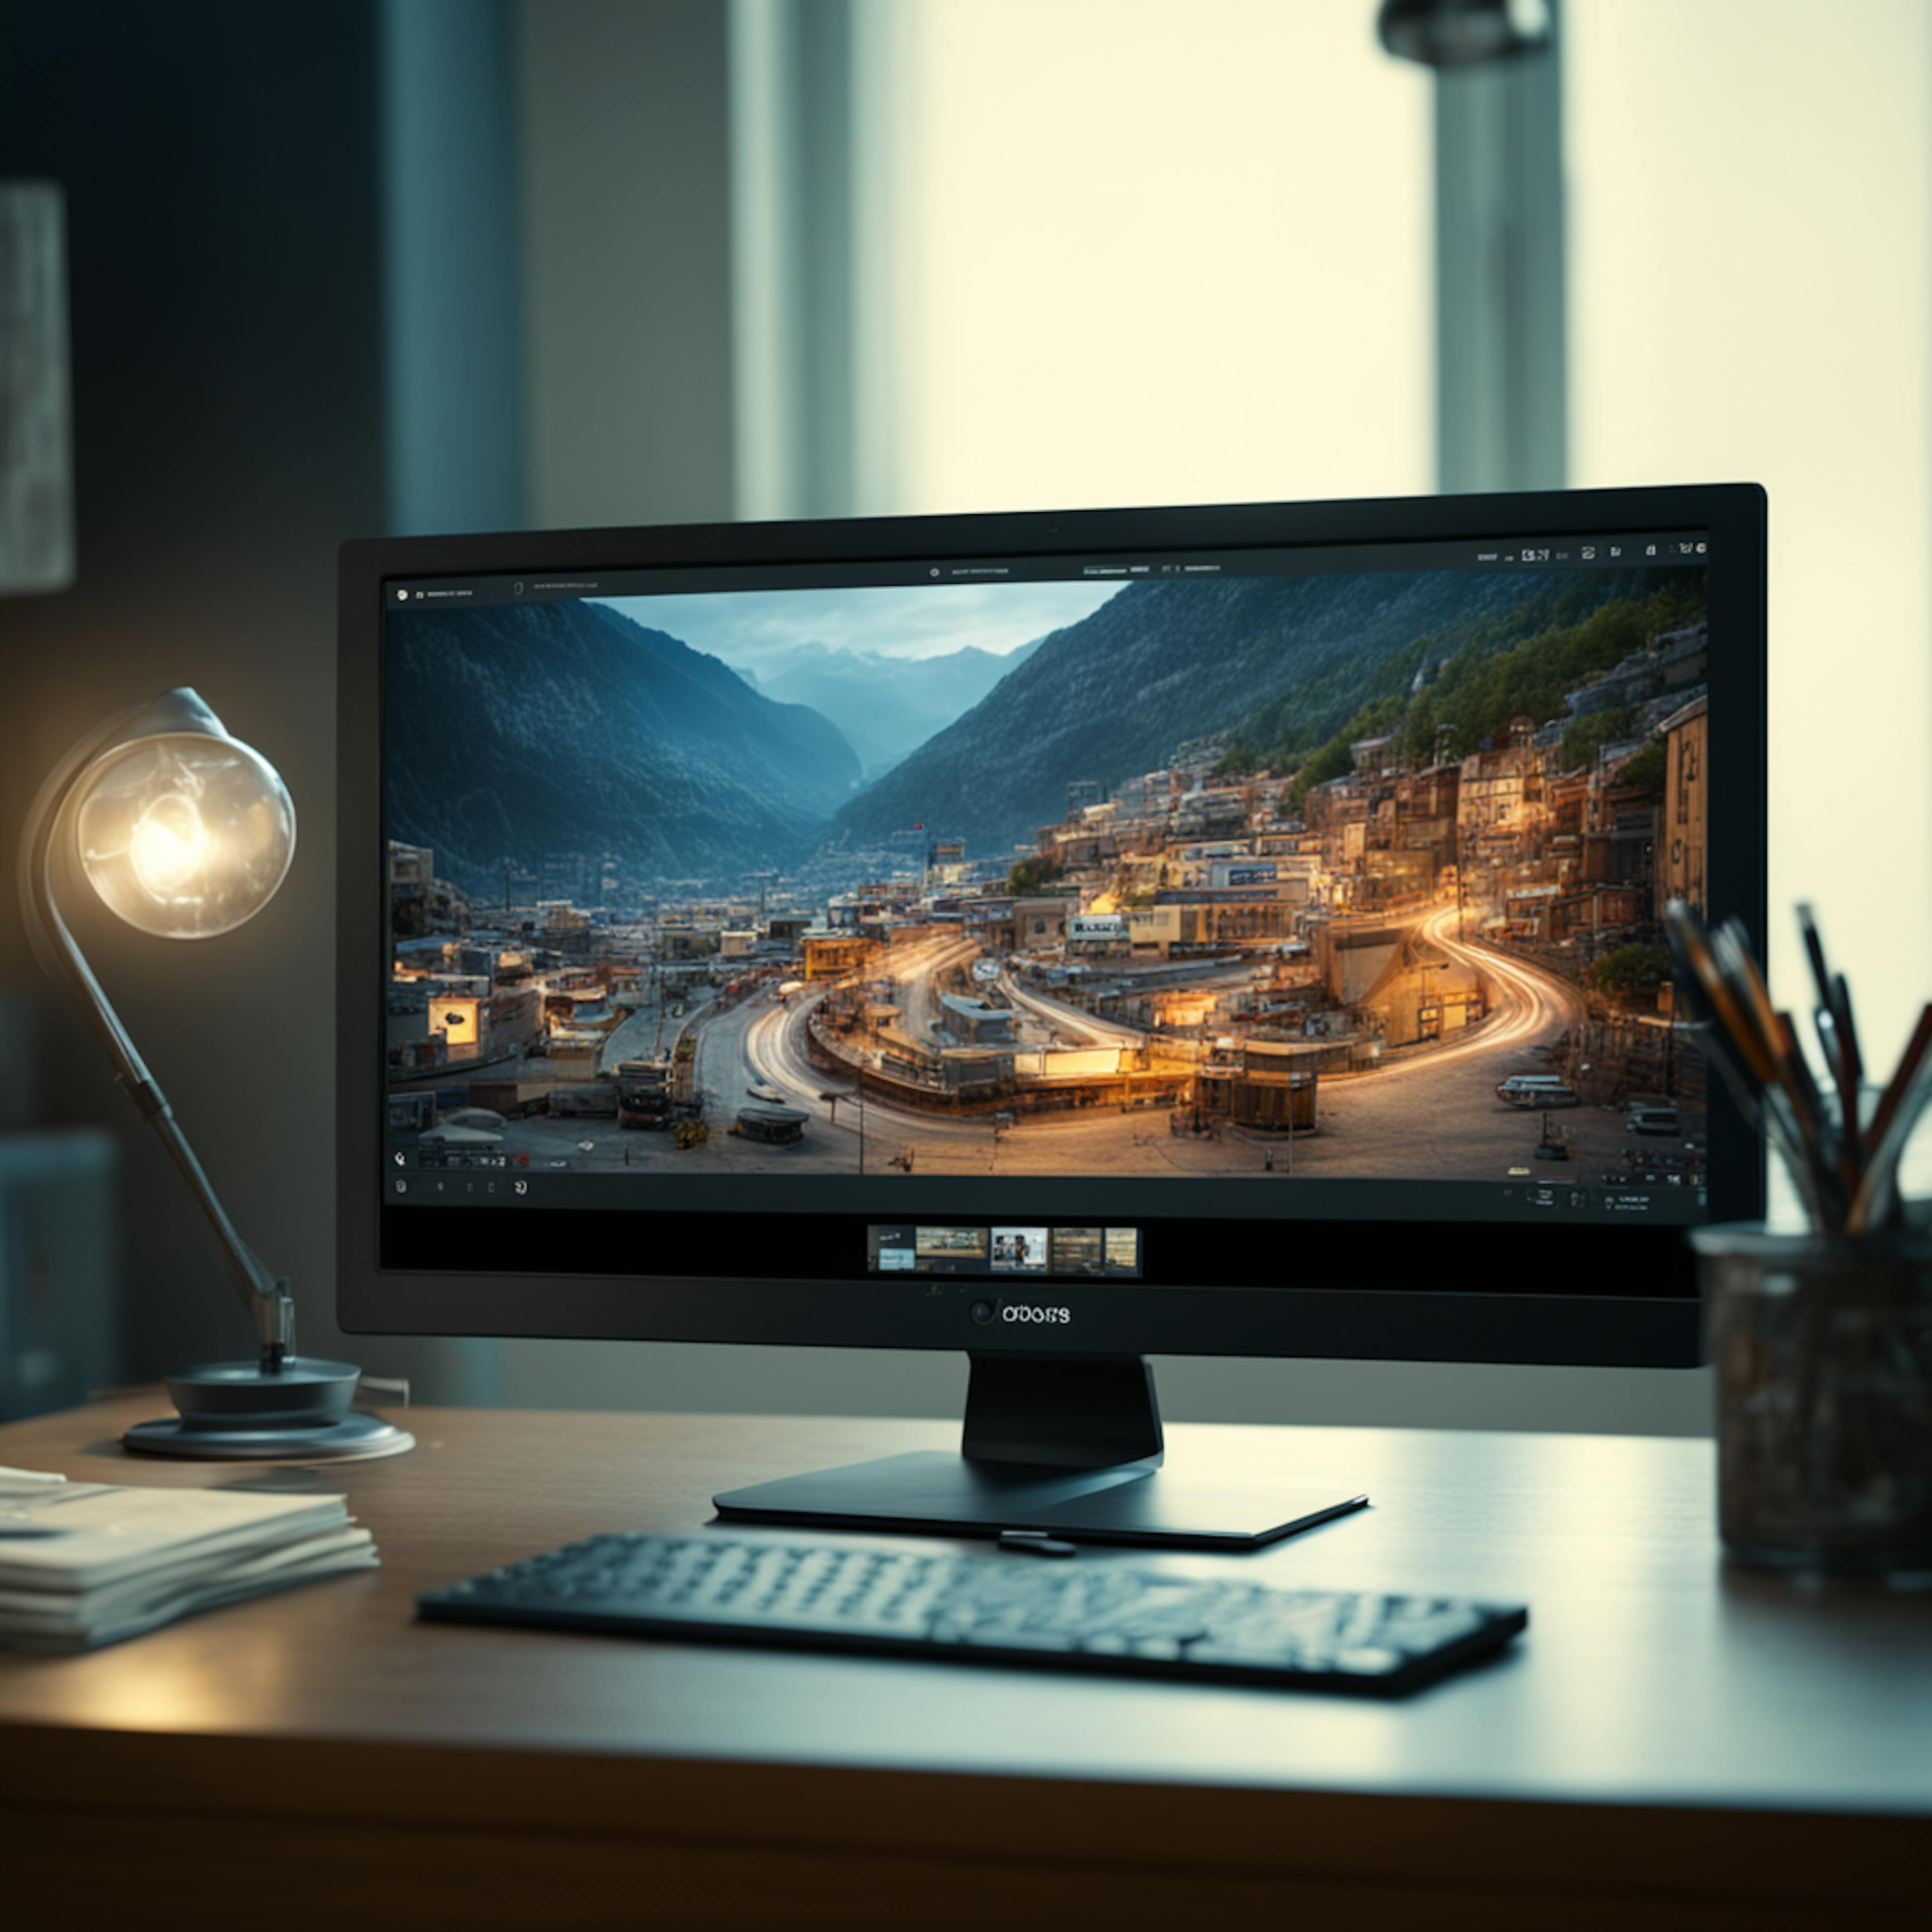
pixel 987 1249
pixel 1651 549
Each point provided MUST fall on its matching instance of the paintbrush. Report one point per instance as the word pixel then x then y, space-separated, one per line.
pixel 1835 1180
pixel 1814 951
pixel 1877 1201
pixel 1846 1169
pixel 1733 1044
pixel 1851 1064
pixel 1695 949
pixel 1909 1063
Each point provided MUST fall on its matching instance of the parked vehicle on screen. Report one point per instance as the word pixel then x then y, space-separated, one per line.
pixel 644 1094
pixel 1537 1090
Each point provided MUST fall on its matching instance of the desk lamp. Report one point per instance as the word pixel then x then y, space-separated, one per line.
pixel 187 833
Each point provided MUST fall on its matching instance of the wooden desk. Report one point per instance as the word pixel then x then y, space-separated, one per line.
pixel 1672 1744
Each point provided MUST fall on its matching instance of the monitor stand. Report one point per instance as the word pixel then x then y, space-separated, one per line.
pixel 1067 1444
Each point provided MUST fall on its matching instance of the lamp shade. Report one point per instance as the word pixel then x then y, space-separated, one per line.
pixel 184 834
pixel 1463 33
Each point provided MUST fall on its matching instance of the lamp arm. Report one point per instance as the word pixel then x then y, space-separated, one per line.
pixel 266 1297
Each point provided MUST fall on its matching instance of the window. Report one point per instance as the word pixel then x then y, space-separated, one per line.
pixel 1750 298
pixel 1141 252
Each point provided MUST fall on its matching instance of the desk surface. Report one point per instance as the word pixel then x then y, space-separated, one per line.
pixel 1652 1678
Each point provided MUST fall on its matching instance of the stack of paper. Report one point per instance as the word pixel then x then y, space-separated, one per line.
pixel 85 1563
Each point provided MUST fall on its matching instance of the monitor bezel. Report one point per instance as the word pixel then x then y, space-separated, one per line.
pixel 1575 1325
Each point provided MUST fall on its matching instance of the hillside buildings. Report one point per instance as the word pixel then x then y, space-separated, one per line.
pixel 1189 937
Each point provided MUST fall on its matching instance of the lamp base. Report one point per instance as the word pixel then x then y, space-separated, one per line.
pixel 360 1435
pixel 232 1411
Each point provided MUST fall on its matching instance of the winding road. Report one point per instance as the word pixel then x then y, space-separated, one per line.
pixel 1427 1115
pixel 1069 1022
pixel 913 974
pixel 651 1031
pixel 1435 1115
pixel 1537 1008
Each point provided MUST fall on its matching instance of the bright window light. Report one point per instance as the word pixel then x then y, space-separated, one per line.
pixel 1750 239
pixel 1139 252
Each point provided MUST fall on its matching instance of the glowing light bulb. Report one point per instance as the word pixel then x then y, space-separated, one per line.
pixel 184 834
pixel 170 846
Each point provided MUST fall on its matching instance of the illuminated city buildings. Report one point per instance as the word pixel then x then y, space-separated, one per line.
pixel 1230 954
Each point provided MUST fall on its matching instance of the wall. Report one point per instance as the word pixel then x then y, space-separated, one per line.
pixel 1778 333
pixel 847 1382
pixel 627 252
pixel 223 213
pixel 453 266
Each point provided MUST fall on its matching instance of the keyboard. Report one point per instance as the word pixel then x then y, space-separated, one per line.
pixel 1095 1615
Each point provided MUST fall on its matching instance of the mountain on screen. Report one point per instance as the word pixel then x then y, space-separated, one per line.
pixel 1117 693
pixel 513 731
pixel 887 706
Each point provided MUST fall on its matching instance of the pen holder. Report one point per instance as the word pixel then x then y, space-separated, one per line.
pixel 1823 1344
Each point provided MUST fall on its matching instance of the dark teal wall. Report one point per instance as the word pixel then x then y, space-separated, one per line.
pixel 452 260
pixel 220 161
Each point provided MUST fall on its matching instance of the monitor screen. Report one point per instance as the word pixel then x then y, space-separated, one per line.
pixel 1162 916
pixel 1210 930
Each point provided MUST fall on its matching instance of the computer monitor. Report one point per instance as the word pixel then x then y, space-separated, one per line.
pixel 1063 937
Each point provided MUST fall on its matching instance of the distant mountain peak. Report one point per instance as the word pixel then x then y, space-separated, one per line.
pixel 1114 695
pixel 516 732
pixel 888 706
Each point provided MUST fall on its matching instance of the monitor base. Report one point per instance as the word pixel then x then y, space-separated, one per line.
pixel 937 1492
pixel 1069 1443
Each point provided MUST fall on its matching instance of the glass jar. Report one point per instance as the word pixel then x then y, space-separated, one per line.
pixel 1823 1345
